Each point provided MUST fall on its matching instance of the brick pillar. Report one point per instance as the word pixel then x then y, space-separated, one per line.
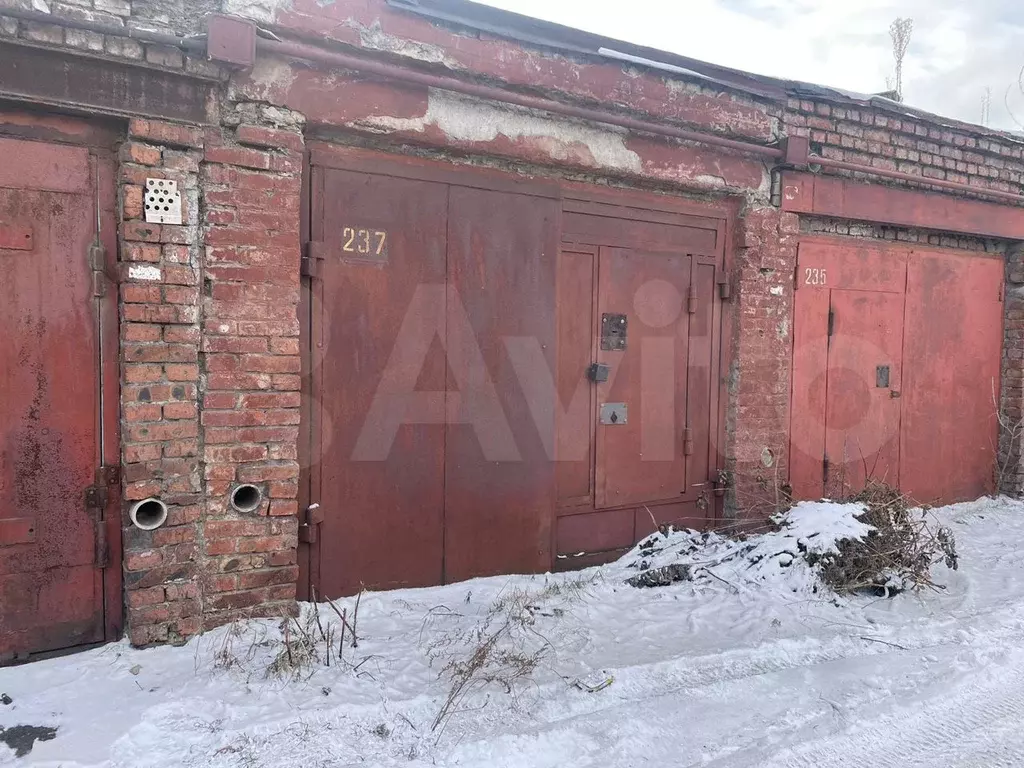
pixel 250 353
pixel 760 379
pixel 159 298
pixel 1009 469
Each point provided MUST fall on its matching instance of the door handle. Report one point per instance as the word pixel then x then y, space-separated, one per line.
pixel 894 394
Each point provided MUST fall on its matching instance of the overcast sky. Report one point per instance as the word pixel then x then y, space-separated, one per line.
pixel 958 46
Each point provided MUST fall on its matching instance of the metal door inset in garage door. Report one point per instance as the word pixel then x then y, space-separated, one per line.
pixel 53 533
pixel 896 359
pixel 641 458
pixel 639 319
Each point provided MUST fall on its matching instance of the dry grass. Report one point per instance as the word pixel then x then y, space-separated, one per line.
pixel 503 649
pixel 295 651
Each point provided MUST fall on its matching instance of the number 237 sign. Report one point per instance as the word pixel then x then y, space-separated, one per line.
pixel 368 243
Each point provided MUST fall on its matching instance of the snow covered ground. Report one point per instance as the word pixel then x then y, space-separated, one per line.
pixel 728 671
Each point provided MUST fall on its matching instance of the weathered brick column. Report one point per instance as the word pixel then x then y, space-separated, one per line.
pixel 160 335
pixel 251 365
pixel 760 379
pixel 1010 470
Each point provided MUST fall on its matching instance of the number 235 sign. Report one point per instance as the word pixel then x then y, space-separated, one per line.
pixel 813 276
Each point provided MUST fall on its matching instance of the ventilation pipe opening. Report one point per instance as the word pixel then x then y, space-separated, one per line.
pixel 246 498
pixel 148 514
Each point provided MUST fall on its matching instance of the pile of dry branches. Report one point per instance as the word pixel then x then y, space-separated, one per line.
pixel 897 555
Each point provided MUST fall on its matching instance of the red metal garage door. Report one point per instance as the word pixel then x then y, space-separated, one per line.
pixel 52 535
pixel 444 326
pixel 896 358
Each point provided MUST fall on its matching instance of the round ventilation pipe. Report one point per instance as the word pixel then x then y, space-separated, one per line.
pixel 246 498
pixel 148 514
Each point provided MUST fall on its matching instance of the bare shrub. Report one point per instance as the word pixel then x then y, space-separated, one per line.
pixel 897 555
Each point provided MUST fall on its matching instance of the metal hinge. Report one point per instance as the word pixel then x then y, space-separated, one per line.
pixel 97 495
pixel 102 545
pixel 831 321
pixel 313 259
pixel 687 441
pixel 309 529
pixel 98 264
pixel 724 289
pixel 824 469
pixel 691 300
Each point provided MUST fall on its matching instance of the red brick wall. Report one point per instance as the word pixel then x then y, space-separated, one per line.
pixel 886 139
pixel 160 342
pixel 250 352
pixel 1010 469
pixel 210 390
pixel 760 375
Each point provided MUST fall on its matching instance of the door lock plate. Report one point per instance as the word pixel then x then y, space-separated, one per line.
pixel 598 372
pixel 882 376
pixel 613 414
pixel 613 332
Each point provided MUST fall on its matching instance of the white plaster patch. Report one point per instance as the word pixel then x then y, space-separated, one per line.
pixel 375 38
pixel 775 290
pixel 144 272
pixel 473 120
pixel 271 76
pixel 257 10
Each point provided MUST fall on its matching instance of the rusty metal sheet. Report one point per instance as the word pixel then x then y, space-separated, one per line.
pixel 607 230
pixel 849 264
pixel 48 76
pixel 52 591
pixel 499 454
pixel 860 201
pixel 595 532
pixel 15 237
pixel 701 376
pixel 61 169
pixel 643 459
pixel 862 417
pixel 577 350
pixel 379 381
pixel 951 375
pixel 810 365
pixel 17 530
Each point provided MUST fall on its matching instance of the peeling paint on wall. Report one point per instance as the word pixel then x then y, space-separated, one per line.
pixel 471 120
pixel 258 10
pixel 374 37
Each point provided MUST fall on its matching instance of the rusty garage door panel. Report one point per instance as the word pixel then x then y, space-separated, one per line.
pixel 896 356
pixel 467 393
pixel 51 585
pixel 951 375
pixel 499 453
pixel 380 379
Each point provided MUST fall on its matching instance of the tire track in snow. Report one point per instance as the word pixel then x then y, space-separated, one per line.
pixel 962 729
